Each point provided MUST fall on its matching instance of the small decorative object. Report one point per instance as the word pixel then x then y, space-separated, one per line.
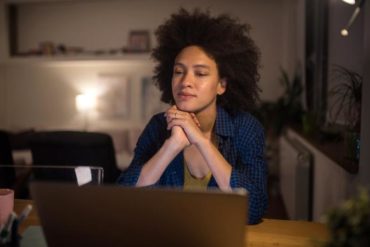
pixel 139 41
pixel 47 48
pixel 113 51
pixel 349 224
pixel 61 49
pixel 74 50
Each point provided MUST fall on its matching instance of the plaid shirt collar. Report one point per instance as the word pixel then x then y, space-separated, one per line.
pixel 224 125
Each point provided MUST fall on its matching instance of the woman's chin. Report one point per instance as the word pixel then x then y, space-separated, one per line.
pixel 185 108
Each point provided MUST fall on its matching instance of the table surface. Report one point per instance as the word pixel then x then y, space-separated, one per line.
pixel 269 232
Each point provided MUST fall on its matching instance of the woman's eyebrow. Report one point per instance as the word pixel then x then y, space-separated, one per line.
pixel 194 66
pixel 201 66
pixel 179 64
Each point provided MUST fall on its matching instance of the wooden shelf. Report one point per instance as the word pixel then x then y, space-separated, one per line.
pixel 81 57
pixel 87 59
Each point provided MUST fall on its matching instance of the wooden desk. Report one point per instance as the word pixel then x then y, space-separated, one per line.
pixel 268 233
pixel 286 233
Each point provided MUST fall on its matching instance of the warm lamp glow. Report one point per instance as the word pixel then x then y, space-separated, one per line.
pixel 352 2
pixel 85 102
pixel 344 32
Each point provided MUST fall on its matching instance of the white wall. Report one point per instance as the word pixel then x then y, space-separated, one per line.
pixel 42 95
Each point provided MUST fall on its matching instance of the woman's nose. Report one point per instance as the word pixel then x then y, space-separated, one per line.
pixel 187 80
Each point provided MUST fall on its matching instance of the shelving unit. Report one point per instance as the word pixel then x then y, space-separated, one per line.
pixel 86 59
pixel 75 30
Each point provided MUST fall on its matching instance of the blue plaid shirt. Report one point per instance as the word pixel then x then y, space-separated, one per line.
pixel 241 142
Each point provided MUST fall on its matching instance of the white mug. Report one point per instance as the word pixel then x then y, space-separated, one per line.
pixel 6 204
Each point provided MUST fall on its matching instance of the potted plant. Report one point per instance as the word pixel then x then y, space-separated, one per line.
pixel 347 105
pixel 287 108
pixel 349 224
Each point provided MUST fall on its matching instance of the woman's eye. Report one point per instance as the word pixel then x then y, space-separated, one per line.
pixel 178 72
pixel 202 74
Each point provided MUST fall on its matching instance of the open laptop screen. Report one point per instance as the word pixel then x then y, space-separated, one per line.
pixel 120 216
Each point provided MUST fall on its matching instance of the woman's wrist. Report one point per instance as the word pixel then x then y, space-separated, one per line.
pixel 201 142
pixel 173 145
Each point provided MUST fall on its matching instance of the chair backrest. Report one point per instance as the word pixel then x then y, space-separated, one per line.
pixel 75 148
pixel 7 178
pixel 25 174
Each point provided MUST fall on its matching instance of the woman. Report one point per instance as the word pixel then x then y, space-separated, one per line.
pixel 208 71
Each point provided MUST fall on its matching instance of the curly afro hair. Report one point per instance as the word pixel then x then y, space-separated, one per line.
pixel 225 40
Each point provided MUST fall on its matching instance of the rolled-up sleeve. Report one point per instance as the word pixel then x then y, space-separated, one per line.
pixel 148 144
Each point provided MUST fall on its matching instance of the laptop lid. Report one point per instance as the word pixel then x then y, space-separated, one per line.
pixel 122 216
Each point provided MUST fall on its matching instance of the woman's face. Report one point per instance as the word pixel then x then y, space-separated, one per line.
pixel 195 81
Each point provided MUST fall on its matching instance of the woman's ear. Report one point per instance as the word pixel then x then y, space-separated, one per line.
pixel 221 88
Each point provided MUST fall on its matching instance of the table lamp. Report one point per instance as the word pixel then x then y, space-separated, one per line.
pixel 85 103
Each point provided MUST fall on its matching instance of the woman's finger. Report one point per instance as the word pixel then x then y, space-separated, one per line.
pixel 174 122
pixel 172 113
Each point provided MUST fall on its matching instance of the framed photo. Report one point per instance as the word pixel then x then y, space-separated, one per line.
pixel 139 41
pixel 114 101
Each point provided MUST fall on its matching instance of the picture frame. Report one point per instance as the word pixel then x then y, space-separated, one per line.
pixel 114 101
pixel 139 41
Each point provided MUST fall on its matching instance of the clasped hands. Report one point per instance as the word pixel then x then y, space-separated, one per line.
pixel 184 126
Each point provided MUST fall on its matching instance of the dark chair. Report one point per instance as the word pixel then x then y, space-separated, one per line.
pixel 7 176
pixel 74 148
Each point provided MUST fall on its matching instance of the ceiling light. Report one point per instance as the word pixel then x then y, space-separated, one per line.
pixel 352 2
pixel 345 30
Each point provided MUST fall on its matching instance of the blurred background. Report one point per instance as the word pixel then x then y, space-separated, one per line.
pixel 82 65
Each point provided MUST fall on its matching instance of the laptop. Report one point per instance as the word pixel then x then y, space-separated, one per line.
pixel 124 216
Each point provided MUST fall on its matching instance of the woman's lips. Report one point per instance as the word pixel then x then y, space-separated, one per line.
pixel 185 96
